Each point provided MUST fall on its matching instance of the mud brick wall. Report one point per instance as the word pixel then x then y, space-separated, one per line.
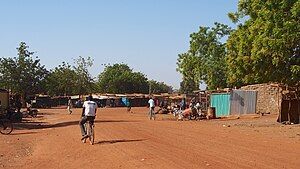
pixel 269 97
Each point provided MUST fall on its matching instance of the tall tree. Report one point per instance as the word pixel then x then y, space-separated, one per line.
pixel 205 59
pixel 119 78
pixel 62 81
pixel 188 85
pixel 190 68
pixel 265 47
pixel 22 74
pixel 85 82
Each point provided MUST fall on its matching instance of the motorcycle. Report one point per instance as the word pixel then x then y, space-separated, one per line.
pixel 196 113
pixel 32 112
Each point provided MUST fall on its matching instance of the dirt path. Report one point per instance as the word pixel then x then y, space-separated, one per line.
pixel 126 140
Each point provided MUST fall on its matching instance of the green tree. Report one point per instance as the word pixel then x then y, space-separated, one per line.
pixel 205 59
pixel 119 78
pixel 188 85
pixel 159 87
pixel 84 83
pixel 189 67
pixel 23 74
pixel 62 81
pixel 265 47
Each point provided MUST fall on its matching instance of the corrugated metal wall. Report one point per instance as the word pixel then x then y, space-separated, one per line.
pixel 221 102
pixel 243 102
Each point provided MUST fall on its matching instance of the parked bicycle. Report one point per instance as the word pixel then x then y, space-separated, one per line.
pixel 89 128
pixel 6 126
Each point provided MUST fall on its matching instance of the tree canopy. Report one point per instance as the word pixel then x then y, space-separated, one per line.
pixel 70 80
pixel 62 81
pixel 205 59
pixel 26 76
pixel 119 78
pixel 23 74
pixel 265 48
pixel 158 87
pixel 85 83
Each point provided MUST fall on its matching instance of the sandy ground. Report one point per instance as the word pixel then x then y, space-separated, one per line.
pixel 125 140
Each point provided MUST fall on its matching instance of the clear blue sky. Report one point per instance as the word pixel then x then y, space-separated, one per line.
pixel 147 35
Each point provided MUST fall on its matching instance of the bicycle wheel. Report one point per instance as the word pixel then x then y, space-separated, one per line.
pixel 91 133
pixel 6 126
pixel 86 129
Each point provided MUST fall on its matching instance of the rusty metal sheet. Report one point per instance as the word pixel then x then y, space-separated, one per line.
pixel 243 102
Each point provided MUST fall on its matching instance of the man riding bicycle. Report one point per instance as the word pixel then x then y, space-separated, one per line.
pixel 88 114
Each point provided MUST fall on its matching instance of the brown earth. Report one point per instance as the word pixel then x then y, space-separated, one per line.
pixel 125 140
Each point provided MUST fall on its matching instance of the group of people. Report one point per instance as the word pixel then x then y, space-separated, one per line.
pixel 90 108
pixel 175 108
pixel 164 105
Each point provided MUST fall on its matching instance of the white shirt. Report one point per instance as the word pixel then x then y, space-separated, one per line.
pixel 151 103
pixel 90 108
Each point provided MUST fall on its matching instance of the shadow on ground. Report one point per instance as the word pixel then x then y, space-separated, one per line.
pixel 23 133
pixel 42 125
pixel 118 141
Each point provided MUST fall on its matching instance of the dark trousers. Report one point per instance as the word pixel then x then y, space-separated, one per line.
pixel 83 120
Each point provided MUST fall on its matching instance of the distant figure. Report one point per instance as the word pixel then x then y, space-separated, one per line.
pixel 198 106
pixel 88 114
pixel 128 105
pixel 70 106
pixel 183 104
pixel 151 109
pixel 192 103
pixel 164 106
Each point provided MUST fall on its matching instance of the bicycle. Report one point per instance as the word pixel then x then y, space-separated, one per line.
pixel 6 126
pixel 89 128
pixel 31 112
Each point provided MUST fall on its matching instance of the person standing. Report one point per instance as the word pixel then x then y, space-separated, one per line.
pixel 183 104
pixel 151 109
pixel 128 105
pixel 88 114
pixel 70 105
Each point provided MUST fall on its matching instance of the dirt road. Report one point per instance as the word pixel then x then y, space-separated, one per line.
pixel 125 140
